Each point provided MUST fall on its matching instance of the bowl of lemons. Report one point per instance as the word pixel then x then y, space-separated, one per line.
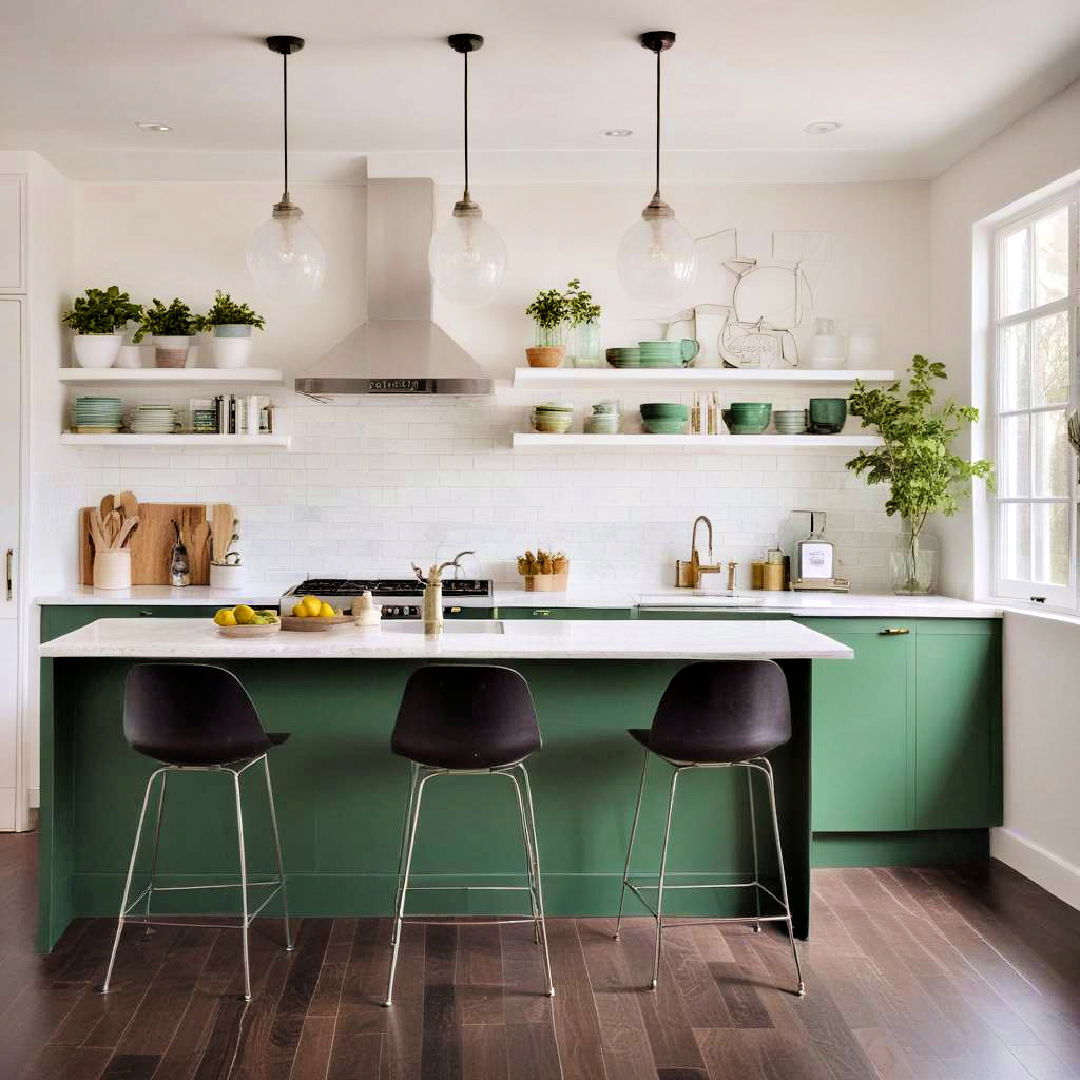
pixel 244 621
pixel 310 613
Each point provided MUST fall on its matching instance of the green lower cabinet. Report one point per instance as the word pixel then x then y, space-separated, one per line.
pixel 861 708
pixel 958 725
pixel 542 612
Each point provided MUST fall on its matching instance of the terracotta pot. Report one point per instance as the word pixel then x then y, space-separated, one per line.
pixel 545 355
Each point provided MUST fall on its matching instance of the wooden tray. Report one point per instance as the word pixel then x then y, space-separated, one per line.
pixel 314 623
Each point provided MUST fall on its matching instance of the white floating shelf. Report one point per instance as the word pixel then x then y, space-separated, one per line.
pixel 203 442
pixel 686 378
pixel 168 376
pixel 537 440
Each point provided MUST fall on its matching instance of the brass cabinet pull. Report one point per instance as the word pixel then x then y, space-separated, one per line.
pixel 455 611
pixel 9 573
pixel 894 631
pixel 541 613
pixel 146 613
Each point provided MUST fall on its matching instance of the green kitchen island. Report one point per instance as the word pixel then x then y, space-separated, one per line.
pixel 341 794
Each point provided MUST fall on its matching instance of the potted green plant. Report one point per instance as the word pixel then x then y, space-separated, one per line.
pixel 584 316
pixel 172 328
pixel 915 460
pixel 98 318
pixel 232 326
pixel 550 311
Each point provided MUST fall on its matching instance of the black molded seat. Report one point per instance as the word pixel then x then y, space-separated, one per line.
pixel 466 716
pixel 194 715
pixel 720 711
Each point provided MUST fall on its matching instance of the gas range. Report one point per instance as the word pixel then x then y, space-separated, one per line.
pixel 401 598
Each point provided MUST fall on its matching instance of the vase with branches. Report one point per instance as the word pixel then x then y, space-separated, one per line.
pixel 917 462
pixel 584 318
pixel 550 311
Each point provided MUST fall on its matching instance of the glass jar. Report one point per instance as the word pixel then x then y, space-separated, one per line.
pixel 914 564
pixel 585 347
pixel 550 336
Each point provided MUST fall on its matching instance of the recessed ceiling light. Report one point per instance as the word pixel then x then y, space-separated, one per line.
pixel 150 125
pixel 617 133
pixel 823 127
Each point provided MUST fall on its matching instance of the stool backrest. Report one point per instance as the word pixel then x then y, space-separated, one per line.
pixel 194 714
pixel 722 710
pixel 472 712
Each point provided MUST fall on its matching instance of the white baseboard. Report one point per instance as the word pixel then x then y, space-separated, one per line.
pixel 1043 867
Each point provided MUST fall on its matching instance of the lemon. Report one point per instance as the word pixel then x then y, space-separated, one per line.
pixel 225 617
pixel 326 611
pixel 313 605
pixel 299 610
pixel 243 614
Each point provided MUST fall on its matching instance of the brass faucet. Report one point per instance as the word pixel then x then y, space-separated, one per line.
pixel 688 572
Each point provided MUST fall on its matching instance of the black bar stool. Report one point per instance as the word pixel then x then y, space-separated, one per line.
pixel 718 714
pixel 197 718
pixel 474 720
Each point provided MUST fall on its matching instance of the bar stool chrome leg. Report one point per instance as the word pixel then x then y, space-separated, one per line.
pixel 277 854
pixel 127 882
pixel 534 849
pixel 800 990
pixel 663 870
pixel 526 843
pixel 414 773
pixel 753 842
pixel 399 909
pixel 243 882
pixel 633 836
pixel 154 856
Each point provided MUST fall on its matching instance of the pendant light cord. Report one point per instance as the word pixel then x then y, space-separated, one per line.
pixel 285 116
pixel 657 193
pixel 466 112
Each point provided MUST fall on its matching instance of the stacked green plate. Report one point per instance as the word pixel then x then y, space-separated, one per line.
pixel 96 414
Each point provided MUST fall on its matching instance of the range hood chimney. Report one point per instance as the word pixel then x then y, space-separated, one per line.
pixel 399 350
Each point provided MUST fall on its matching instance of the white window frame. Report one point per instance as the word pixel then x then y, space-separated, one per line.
pixel 1038 593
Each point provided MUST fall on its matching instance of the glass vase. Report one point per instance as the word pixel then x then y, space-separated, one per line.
pixel 585 347
pixel 550 336
pixel 914 564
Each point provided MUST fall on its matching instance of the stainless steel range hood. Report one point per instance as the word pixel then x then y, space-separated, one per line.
pixel 399 350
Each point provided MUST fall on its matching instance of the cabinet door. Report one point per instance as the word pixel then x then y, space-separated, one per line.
pixel 12 233
pixel 958 725
pixel 10 420
pixel 862 716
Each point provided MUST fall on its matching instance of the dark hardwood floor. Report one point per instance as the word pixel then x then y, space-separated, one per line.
pixel 967 974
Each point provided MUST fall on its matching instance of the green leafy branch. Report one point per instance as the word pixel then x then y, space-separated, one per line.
pixel 102 311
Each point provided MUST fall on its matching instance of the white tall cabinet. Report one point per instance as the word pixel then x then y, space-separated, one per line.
pixel 10 474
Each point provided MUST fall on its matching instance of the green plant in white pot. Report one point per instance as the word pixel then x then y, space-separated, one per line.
pixel 99 318
pixel 233 326
pixel 915 459
pixel 172 328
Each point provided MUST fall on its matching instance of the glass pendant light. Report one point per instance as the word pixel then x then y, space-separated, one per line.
pixel 657 256
pixel 285 257
pixel 467 257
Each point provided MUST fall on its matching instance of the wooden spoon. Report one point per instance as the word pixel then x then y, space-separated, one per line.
pixel 106 506
pixel 129 504
pixel 126 530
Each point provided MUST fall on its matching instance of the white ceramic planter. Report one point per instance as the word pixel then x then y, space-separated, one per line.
pixel 171 350
pixel 112 569
pixel 230 347
pixel 227 576
pixel 130 356
pixel 97 350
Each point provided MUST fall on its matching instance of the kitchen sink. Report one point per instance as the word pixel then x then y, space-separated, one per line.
pixel 451 626
pixel 700 599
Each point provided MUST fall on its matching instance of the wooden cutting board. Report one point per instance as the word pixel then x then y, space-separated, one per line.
pixel 151 544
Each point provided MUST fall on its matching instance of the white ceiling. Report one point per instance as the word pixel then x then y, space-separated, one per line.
pixel 917 83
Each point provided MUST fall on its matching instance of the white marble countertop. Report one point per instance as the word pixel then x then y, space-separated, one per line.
pixel 519 639
pixel 849 605
pixel 598 595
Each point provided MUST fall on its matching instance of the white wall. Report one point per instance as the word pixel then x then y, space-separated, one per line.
pixel 370 488
pixel 1041 837
pixel 1037 150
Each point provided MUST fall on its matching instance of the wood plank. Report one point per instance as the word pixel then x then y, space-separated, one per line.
pixel 313 1054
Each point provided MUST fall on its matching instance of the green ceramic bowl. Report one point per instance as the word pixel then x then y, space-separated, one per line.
pixel 664 427
pixel 665 410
